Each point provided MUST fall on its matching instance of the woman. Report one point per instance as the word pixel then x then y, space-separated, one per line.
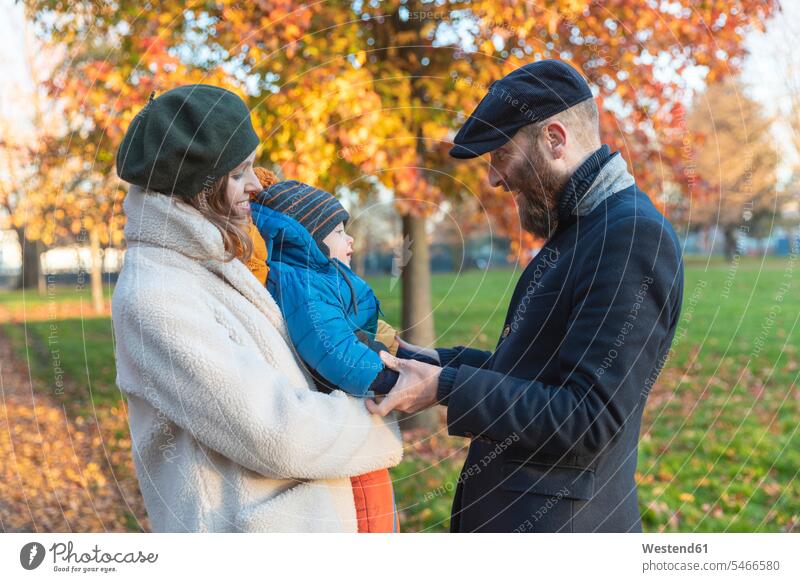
pixel 228 431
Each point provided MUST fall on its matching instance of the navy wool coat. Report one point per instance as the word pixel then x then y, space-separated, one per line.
pixel 554 412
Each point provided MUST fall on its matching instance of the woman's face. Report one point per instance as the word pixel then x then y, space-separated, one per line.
pixel 242 182
pixel 340 244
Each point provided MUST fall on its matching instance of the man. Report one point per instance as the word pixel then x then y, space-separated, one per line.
pixel 554 413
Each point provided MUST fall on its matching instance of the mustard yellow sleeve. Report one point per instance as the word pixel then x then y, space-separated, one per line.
pixel 387 335
pixel 258 261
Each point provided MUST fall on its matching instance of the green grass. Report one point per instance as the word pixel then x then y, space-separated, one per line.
pixel 468 309
pixel 31 299
pixel 720 448
pixel 72 359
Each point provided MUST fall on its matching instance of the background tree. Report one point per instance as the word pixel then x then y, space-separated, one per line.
pixel 778 89
pixel 389 83
pixel 430 63
pixel 27 124
pixel 736 161
pixel 14 182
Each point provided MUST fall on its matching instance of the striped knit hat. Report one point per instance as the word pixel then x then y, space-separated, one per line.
pixel 317 210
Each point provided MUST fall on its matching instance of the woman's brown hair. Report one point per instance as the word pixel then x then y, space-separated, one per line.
pixel 212 203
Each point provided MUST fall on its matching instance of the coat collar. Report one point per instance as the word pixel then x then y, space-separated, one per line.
pixel 599 177
pixel 166 222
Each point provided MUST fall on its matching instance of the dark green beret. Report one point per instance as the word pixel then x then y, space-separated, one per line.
pixel 186 139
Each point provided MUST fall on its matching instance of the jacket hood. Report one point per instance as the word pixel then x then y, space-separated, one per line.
pixel 288 241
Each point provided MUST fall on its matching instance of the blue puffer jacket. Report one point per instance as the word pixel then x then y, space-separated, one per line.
pixel 323 311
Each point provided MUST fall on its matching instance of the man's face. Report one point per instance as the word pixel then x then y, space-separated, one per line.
pixel 522 166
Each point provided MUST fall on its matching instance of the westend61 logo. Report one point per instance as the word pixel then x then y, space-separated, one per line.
pixel 65 559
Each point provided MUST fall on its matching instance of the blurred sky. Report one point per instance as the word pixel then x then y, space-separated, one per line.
pixel 15 80
pixel 772 74
pixel 771 71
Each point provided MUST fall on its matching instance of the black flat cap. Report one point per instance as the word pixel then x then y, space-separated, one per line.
pixel 528 95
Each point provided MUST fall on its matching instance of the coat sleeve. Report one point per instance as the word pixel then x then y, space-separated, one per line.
pixel 624 306
pixel 463 356
pixel 177 355
pixel 326 341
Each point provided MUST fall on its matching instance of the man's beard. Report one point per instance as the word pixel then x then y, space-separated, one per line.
pixel 538 188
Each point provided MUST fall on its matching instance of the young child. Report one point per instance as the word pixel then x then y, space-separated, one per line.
pixel 331 313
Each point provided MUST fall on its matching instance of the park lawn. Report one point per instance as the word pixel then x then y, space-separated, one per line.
pixel 72 359
pixel 31 299
pixel 720 449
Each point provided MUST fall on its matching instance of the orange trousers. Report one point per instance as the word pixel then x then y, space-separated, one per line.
pixel 374 498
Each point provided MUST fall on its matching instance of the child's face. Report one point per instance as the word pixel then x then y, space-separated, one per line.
pixel 242 182
pixel 340 244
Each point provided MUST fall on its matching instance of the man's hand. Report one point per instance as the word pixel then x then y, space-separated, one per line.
pixel 427 352
pixel 415 389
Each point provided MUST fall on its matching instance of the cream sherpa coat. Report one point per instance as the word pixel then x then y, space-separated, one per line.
pixel 228 432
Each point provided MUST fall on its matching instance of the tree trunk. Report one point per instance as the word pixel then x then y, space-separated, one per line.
pixel 31 265
pixel 360 250
pixel 40 276
pixel 457 249
pixel 417 318
pixel 359 265
pixel 731 242
pixel 97 271
pixel 417 315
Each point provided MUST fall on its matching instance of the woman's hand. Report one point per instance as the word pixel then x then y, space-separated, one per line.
pixel 427 352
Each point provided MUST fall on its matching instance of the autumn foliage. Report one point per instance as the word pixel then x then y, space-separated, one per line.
pixel 360 94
